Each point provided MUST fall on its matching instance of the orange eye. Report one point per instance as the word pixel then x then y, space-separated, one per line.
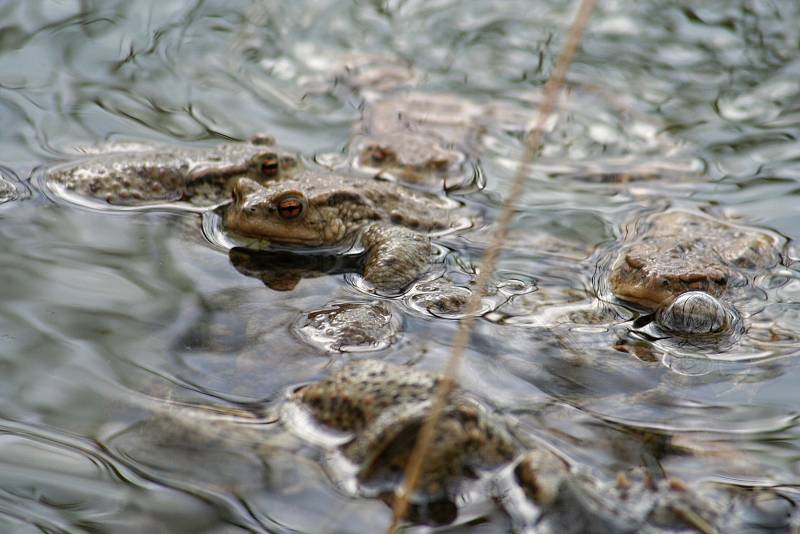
pixel 270 166
pixel 378 155
pixel 290 206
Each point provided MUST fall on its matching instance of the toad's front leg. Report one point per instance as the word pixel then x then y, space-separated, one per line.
pixel 395 256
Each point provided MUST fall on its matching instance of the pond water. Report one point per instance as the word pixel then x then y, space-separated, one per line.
pixel 109 317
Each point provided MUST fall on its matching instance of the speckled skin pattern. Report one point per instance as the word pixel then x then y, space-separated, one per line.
pixel 384 405
pixel 349 326
pixel 682 251
pixel 170 173
pixel 396 256
pixel 391 220
pixel 7 191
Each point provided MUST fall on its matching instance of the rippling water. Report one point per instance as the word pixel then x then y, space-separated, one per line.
pixel 108 318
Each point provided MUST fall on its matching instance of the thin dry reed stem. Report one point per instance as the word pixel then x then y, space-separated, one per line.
pixel 533 142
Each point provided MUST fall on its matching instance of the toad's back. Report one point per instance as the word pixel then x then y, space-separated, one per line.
pixel 150 174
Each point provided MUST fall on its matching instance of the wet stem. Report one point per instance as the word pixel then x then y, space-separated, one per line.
pixel 533 142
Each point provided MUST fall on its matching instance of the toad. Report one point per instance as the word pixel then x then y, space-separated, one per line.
pixel 683 262
pixel 160 174
pixel 384 406
pixel 321 210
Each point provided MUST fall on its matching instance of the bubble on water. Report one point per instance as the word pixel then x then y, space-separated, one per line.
pixel 695 312
pixel 689 365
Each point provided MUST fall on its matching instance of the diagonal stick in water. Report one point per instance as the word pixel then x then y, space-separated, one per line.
pixel 533 142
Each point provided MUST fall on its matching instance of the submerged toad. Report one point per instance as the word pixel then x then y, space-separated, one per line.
pixel 349 326
pixel 409 157
pixel 167 174
pixel 637 502
pixel 682 252
pixel 377 72
pixel 449 117
pixel 384 405
pixel 421 138
pixel 318 209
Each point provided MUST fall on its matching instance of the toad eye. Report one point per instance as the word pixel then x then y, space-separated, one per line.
pixel 290 205
pixel 268 165
pixel 378 155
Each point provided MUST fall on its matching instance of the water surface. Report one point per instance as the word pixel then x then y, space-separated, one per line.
pixel 107 316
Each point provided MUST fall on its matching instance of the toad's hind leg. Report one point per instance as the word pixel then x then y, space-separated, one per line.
pixel 395 256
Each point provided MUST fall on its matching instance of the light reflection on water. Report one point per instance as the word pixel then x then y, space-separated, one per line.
pixel 105 315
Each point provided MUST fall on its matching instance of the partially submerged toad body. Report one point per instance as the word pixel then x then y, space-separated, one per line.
pixel 384 406
pixel 638 502
pixel 683 261
pixel 159 174
pixel 315 209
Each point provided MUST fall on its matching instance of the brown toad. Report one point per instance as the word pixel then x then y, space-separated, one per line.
pixel 160 174
pixel 688 253
pixel 384 406
pixel 320 210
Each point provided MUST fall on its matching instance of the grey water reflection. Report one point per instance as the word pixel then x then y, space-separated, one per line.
pixel 127 337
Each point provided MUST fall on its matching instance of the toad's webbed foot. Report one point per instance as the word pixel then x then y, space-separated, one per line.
pixel 395 255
